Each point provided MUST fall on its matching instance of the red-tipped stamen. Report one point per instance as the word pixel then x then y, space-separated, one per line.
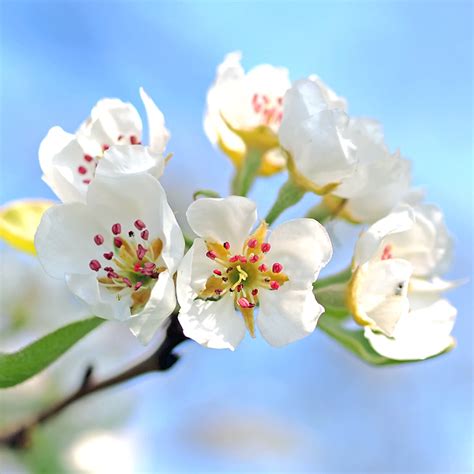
pixel 94 265
pixel 252 243
pixel 141 251
pixel 145 234
pixel 274 285
pixel 81 170
pixel 211 254
pixel 217 272
pixel 139 224
pixel 262 268
pixel 138 285
pixel 116 229
pixel 266 247
pixel 277 267
pixel 134 140
pixel 254 258
pixel 118 242
pixel 245 303
pixel 255 292
pixel 98 239
pixel 226 245
pixel 109 255
pixel 88 158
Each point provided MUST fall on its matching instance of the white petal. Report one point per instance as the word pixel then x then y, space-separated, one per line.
pixel 161 304
pixel 287 314
pixel 64 240
pixel 158 133
pixel 60 155
pixel 380 292
pixel 332 100
pixel 140 196
pixel 214 324
pixel 129 159
pixel 370 241
pixel 111 122
pixel 420 334
pixel 193 273
pixel 101 302
pixel 427 244
pixel 303 247
pixel 387 182
pixel 223 220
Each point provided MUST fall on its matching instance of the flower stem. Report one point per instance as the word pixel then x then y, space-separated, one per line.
pixel 246 174
pixel 289 195
pixel 161 360
pixel 341 277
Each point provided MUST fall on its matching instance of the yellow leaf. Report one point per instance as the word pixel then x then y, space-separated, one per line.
pixel 19 221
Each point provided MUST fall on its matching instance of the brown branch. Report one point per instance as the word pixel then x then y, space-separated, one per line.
pixel 162 359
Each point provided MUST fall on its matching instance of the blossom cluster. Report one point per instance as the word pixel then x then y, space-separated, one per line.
pixel 116 242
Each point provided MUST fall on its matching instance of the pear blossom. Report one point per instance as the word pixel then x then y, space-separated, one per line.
pixel 246 102
pixel 230 271
pixel 396 286
pixel 314 131
pixel 108 143
pixel 118 251
pixel 381 179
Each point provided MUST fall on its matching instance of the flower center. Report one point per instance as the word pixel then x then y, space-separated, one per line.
pixel 270 109
pixel 86 168
pixel 243 274
pixel 130 267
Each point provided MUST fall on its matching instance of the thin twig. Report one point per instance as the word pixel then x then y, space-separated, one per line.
pixel 162 359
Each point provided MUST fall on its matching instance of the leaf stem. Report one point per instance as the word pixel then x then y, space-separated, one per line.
pixel 162 359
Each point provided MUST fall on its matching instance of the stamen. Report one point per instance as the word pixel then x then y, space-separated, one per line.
pixel 211 254
pixel 141 251
pixel 105 147
pixel 252 243
pixel 254 258
pixel 217 272
pixel 98 239
pixel 145 234
pixel 226 245
pixel 134 140
pixel 86 181
pixel 262 268
pixel 266 247
pixel 243 259
pixel 255 292
pixel 127 282
pixel 118 242
pixel 108 255
pixel 94 265
pixel 116 229
pixel 274 285
pixel 235 258
pixel 140 225
pixel 277 267
pixel 88 158
pixel 245 303
pixel 81 170
pixel 138 285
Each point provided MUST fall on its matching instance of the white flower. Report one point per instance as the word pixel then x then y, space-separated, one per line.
pixel 118 251
pixel 246 102
pixel 314 132
pixel 71 161
pixel 396 290
pixel 381 179
pixel 228 268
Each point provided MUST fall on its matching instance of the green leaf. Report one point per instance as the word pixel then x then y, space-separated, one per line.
pixel 352 340
pixel 355 341
pixel 19 366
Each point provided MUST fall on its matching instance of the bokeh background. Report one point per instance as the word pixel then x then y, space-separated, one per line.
pixel 310 406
